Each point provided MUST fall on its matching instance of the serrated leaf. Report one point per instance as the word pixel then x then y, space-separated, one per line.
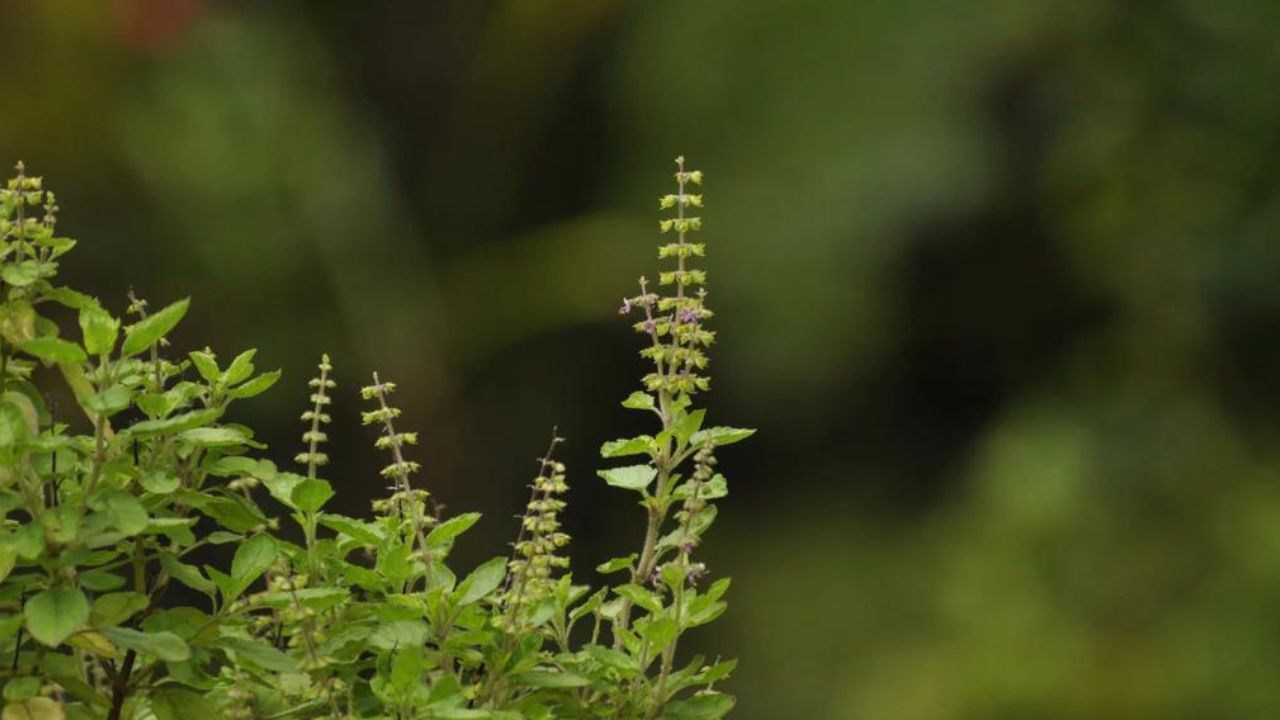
pixel 482 581
pixel 21 274
pixel 206 365
pixel 54 350
pixel 631 477
pixel 175 424
pixel 445 532
pixel 240 368
pixel 148 332
pixel 256 386
pixel 638 401
pixel 720 436
pixel 616 564
pixel 358 530
pixel 626 446
pixel 99 330
pixel 689 423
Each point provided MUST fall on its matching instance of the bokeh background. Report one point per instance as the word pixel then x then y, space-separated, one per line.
pixel 998 281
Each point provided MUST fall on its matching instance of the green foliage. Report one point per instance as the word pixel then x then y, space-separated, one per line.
pixel 363 619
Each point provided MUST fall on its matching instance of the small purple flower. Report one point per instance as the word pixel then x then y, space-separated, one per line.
pixel 687 547
pixel 689 315
pixel 626 306
pixel 651 327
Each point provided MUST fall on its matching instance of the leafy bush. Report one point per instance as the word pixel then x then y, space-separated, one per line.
pixel 364 618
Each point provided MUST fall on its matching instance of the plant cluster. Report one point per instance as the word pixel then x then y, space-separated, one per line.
pixel 105 509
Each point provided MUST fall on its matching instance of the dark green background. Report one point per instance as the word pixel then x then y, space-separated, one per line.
pixel 998 281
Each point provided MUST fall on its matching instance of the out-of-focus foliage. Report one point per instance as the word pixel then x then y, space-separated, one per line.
pixel 997 282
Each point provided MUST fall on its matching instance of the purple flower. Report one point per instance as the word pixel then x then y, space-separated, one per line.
pixel 695 574
pixel 650 327
pixel 626 306
pixel 689 315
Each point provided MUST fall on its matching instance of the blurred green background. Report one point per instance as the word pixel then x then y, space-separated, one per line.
pixel 996 280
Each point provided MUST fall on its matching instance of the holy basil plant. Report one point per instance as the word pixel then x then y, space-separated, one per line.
pixel 107 505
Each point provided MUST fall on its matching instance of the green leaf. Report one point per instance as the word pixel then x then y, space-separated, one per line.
pixel 160 482
pixel 482 581
pixel 659 631
pixel 8 558
pixel 616 564
pixel 99 329
pixel 398 634
pixel 21 688
pixel 127 513
pixel 445 532
pixel 114 608
pixel 317 598
pixel 256 386
pixel 35 708
pixel 215 436
pixel 311 494
pixel 240 368
pixel 169 702
pixel 100 580
pixel 615 659
pixel 640 596
pixel 631 477
pixel 9 625
pixel 253 558
pixel 550 680
pixel 148 332
pixel 206 365
pixel 109 401
pixel 638 401
pixel 260 654
pixel 188 575
pixel 357 530
pixel 52 615
pixel 177 423
pixel 21 274
pixel 689 423
pixel 720 436
pixel 164 645
pixel 626 446
pixel 54 350
pixel 71 298
pixel 705 706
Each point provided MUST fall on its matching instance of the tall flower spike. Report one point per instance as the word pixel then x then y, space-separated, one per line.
pixel 318 417
pixel 675 320
pixel 535 561
pixel 399 470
